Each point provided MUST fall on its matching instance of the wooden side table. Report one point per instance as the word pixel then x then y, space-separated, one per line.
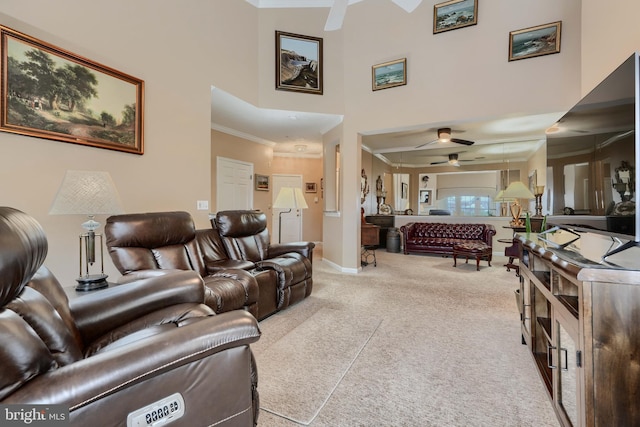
pixel 369 239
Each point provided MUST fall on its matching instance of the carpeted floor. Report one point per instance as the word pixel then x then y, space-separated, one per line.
pixel 411 342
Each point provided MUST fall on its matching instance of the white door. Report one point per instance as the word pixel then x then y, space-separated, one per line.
pixel 291 221
pixel 234 184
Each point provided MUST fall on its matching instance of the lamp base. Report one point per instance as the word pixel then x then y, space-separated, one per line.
pixel 92 282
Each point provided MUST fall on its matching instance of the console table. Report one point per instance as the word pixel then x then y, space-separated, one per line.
pixel 579 320
pixel 385 222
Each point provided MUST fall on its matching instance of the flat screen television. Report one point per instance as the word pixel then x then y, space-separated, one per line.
pixel 592 159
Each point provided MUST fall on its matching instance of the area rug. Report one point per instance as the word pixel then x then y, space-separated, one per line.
pixel 299 372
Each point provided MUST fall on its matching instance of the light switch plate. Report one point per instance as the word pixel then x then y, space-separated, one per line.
pixel 202 205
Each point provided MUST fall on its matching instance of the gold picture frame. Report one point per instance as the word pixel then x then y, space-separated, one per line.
pixel 389 74
pixel 454 14
pixel 535 41
pixel 48 92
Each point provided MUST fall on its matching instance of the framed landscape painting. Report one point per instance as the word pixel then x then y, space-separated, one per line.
pixel 48 92
pixel 262 182
pixel 535 41
pixel 389 74
pixel 298 63
pixel 454 14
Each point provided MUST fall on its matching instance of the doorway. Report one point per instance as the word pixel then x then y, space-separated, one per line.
pixel 291 221
pixel 234 188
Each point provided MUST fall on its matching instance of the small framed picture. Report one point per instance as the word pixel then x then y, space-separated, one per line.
pixel 262 182
pixel 535 41
pixel 310 187
pixel 298 63
pixel 389 74
pixel 426 197
pixel 454 14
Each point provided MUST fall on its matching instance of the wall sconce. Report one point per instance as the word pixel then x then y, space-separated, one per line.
pixel 88 193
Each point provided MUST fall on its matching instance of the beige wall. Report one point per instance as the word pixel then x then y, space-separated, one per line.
pixel 610 34
pixel 181 49
pixel 176 51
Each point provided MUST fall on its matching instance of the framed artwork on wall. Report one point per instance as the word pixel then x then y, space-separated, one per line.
pixel 50 93
pixel 454 14
pixel 389 74
pixel 262 182
pixel 310 187
pixel 298 63
pixel 535 41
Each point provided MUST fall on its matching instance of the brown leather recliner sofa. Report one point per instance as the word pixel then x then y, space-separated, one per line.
pixel 108 353
pixel 245 237
pixel 236 247
pixel 440 238
pixel 150 244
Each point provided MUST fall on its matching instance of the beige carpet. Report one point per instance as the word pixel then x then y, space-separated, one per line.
pixel 411 342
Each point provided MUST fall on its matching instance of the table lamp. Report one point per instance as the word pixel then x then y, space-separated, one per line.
pixel 88 193
pixel 501 199
pixel 539 192
pixel 517 190
pixel 288 198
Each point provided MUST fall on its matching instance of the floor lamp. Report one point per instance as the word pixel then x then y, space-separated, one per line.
pixel 88 193
pixel 288 198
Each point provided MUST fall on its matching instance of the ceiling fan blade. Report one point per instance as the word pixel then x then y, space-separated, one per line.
pixel 462 141
pixel 408 5
pixel 336 15
pixel 426 143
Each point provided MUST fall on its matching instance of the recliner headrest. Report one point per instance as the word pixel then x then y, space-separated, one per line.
pixel 150 230
pixel 23 249
pixel 240 223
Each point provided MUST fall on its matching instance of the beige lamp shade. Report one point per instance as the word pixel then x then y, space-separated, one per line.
pixel 517 190
pixel 290 198
pixel 501 198
pixel 86 193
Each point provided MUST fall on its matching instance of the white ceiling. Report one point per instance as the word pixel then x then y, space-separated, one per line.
pixel 513 138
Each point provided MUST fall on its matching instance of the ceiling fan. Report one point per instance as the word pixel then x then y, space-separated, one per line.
pixel 455 161
pixel 444 135
pixel 339 9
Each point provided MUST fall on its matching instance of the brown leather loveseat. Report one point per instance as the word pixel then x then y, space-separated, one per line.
pixel 440 238
pixel 111 352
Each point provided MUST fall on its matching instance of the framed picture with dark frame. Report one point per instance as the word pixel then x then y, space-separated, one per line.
pixel 310 187
pixel 389 74
pixel 262 182
pixel 454 14
pixel 535 41
pixel 48 92
pixel 298 63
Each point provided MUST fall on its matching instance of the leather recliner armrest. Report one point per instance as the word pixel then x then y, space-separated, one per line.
pixel 303 248
pixel 97 313
pixel 105 374
pixel 226 264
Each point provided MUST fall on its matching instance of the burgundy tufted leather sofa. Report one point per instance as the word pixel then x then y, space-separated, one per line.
pixel 440 238
pixel 108 353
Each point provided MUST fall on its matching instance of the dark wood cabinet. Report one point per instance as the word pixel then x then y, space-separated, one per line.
pixel 580 323
pixel 385 222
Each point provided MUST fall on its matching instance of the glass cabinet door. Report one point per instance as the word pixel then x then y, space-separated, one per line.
pixel 567 374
